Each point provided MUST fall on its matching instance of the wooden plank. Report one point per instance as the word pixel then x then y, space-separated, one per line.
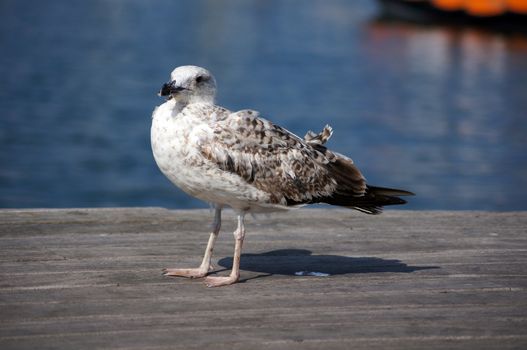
pixel 91 278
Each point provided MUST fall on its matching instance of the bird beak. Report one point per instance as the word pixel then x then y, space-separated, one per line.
pixel 170 88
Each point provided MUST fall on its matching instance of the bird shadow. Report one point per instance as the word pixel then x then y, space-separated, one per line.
pixel 301 261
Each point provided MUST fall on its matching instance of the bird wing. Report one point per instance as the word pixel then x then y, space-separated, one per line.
pixel 292 170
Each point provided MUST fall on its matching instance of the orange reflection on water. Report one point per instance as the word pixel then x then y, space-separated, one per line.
pixel 434 47
pixel 459 91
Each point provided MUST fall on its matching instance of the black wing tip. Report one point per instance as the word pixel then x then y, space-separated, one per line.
pixel 375 205
pixel 372 202
pixel 388 191
pixel 376 198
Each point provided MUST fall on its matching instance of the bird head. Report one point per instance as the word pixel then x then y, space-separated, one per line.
pixel 190 84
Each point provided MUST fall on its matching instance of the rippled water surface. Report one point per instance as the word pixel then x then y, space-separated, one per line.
pixel 440 111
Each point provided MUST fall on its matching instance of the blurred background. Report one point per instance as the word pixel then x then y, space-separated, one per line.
pixel 436 108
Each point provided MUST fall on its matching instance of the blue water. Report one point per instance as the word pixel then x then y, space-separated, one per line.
pixel 440 111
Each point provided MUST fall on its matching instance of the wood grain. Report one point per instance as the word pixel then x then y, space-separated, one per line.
pixel 91 279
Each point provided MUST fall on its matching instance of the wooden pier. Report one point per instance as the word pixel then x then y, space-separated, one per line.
pixel 91 279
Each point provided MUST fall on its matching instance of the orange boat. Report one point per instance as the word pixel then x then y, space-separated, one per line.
pixel 500 14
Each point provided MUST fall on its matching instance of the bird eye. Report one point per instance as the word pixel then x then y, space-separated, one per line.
pixel 201 78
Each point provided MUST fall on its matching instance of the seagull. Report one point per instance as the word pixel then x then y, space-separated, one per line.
pixel 243 161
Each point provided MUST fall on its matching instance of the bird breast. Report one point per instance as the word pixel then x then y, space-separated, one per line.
pixel 172 138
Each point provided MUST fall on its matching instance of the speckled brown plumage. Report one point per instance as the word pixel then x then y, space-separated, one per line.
pixel 293 170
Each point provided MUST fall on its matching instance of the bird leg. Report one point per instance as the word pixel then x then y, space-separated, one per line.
pixel 205 266
pixel 239 234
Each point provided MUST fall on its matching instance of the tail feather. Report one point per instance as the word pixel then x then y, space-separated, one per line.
pixel 377 197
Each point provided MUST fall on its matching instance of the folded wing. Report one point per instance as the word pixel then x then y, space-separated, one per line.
pixel 292 170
